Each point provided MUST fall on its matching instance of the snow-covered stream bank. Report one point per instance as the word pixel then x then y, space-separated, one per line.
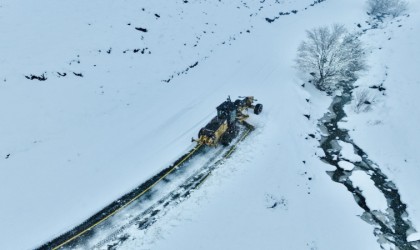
pixel 372 190
pixel 375 188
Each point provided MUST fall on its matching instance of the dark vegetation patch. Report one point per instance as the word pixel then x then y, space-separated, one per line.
pixel 185 71
pixel 379 87
pixel 141 29
pixel 270 20
pixel 36 77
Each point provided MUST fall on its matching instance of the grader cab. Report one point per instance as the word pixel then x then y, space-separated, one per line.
pixel 224 127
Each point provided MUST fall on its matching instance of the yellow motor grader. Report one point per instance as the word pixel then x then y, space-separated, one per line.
pixel 224 127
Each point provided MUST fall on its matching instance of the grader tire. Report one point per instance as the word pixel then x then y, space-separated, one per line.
pixel 226 139
pixel 224 142
pixel 258 109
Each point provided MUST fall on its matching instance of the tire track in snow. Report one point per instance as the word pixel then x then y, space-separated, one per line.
pixel 152 213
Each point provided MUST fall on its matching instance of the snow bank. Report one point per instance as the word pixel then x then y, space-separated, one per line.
pixel 346 165
pixel 374 198
pixel 347 152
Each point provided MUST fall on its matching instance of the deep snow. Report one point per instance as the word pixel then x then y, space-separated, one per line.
pixel 70 145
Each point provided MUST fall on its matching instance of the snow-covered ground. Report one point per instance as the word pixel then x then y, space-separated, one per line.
pixel 129 83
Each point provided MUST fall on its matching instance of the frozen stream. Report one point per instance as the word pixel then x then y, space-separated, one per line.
pixel 364 179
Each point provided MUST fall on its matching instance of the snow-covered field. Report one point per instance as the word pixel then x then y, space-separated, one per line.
pixel 129 83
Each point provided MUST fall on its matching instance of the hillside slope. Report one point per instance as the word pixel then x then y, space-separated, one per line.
pixel 97 96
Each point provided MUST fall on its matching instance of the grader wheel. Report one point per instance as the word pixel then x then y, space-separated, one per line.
pixel 258 109
pixel 225 141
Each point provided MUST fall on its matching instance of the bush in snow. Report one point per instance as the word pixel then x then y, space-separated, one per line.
pixel 381 8
pixel 330 57
pixel 363 101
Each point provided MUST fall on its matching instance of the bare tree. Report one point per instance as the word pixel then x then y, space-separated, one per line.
pixel 330 56
pixel 381 8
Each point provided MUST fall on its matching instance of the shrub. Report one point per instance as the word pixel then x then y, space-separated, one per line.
pixel 382 8
pixel 363 101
